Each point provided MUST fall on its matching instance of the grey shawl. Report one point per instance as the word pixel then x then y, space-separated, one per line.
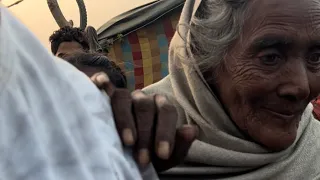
pixel 221 151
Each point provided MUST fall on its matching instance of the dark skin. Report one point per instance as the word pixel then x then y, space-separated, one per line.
pixel 136 115
pixel 66 48
pixel 269 76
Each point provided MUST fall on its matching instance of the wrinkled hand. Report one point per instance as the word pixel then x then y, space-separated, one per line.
pixel 148 124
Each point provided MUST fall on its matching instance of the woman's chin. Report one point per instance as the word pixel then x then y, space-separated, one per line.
pixel 274 134
pixel 277 141
pixel 281 143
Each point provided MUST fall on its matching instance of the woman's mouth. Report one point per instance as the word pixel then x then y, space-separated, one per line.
pixel 286 115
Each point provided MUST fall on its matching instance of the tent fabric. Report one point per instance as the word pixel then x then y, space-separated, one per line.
pixel 142 53
pixel 137 18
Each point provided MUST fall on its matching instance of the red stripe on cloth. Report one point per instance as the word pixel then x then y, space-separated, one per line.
pixel 139 86
pixel 168 29
pixel 137 57
pixel 138 71
pixel 133 38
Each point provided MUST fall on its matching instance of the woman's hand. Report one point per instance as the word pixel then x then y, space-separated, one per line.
pixel 148 124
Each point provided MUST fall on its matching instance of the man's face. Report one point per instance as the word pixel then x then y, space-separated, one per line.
pixel 66 48
pixel 272 71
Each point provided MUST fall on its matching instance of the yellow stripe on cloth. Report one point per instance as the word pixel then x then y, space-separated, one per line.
pixel 146 57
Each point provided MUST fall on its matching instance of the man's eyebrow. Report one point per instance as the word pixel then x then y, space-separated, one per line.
pixel 271 41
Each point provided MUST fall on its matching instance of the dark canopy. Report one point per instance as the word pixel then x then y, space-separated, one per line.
pixel 137 18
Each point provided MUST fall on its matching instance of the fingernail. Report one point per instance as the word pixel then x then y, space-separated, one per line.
pixel 127 137
pixel 163 150
pixel 144 157
pixel 102 78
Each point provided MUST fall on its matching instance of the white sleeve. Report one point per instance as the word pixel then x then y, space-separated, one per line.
pixel 54 123
pixel 105 122
pixel 64 137
pixel 120 162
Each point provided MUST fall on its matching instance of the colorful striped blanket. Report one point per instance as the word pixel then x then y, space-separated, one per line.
pixel 143 54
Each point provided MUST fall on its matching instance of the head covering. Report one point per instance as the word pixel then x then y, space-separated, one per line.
pixel 54 122
pixel 222 151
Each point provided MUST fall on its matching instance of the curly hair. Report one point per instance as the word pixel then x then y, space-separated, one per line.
pixel 68 34
pixel 101 62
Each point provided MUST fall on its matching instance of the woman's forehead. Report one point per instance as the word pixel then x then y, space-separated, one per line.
pixel 292 12
pixel 292 19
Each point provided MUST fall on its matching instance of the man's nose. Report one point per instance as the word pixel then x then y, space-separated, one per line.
pixel 295 86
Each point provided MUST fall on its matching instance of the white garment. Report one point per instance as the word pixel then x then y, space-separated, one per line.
pixel 54 123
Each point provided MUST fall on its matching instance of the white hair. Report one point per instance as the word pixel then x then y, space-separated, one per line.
pixel 215 26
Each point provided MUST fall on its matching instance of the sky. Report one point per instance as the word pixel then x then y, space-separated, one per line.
pixel 36 15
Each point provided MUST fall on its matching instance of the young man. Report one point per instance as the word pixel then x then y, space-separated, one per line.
pixel 91 63
pixel 68 40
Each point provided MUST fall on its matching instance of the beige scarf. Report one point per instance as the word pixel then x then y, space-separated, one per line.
pixel 221 151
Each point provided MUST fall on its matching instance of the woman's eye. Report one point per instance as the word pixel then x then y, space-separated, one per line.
pixel 314 60
pixel 270 59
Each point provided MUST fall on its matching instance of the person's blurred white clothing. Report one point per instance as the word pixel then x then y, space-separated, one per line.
pixel 54 123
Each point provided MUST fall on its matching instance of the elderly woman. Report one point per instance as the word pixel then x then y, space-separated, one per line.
pixel 243 72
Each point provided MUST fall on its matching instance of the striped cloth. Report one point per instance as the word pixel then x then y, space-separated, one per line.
pixel 143 54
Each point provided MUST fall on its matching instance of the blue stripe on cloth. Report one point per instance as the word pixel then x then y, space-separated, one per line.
pixel 128 63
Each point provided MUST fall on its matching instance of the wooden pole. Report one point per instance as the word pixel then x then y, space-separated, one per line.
pixel 16 3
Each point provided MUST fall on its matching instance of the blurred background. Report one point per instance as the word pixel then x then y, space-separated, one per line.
pixel 36 15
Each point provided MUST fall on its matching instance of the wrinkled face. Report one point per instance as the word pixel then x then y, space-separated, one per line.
pixel 272 71
pixel 66 48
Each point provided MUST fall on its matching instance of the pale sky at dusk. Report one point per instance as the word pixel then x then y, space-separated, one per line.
pixel 36 15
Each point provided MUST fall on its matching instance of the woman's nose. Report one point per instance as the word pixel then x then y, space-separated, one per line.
pixel 296 84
